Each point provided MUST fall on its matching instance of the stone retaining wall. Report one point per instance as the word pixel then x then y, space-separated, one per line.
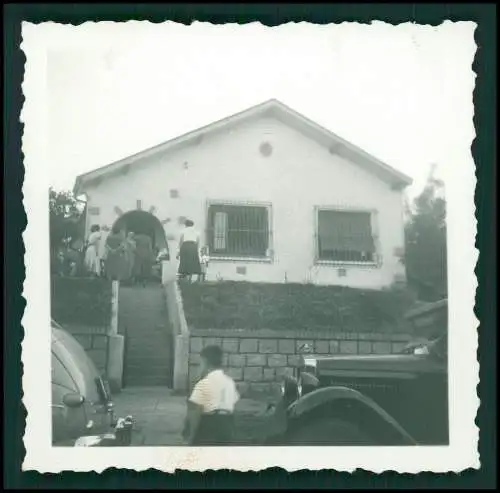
pixel 95 345
pixel 258 360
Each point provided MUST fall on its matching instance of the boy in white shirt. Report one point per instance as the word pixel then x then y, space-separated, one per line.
pixel 209 419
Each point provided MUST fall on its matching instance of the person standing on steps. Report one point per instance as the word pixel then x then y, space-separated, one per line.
pixel 144 258
pixel 209 419
pixel 189 259
pixel 92 259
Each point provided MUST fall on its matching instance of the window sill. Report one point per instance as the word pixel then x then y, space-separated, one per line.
pixel 231 258
pixel 338 263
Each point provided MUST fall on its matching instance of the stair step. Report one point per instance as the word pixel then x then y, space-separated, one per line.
pixel 145 364
pixel 142 382
pixel 133 359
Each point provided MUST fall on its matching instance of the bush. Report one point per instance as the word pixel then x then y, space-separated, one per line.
pixel 241 305
pixel 81 301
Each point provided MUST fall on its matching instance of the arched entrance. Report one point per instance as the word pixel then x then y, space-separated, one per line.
pixel 142 222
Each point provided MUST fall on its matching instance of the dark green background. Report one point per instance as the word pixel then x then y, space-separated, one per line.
pixel 269 14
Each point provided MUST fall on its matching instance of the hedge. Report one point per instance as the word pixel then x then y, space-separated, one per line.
pixel 81 301
pixel 254 306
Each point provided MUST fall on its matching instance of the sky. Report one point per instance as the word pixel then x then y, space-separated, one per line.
pixel 402 93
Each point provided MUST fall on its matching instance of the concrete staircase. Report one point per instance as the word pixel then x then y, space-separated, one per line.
pixel 142 319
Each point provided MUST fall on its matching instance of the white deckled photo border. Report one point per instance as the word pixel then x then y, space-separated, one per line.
pixel 460 454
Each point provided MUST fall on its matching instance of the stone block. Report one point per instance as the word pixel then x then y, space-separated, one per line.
pixel 276 360
pixel 256 359
pixel 322 347
pixel 260 389
pixel 235 373
pixel 269 374
pixel 302 342
pixel 253 374
pixel 334 347
pixel 212 341
pixel 194 359
pixel 294 360
pixel 283 372
pixel 196 344
pixel 268 346
pixel 194 373
pixel 243 388
pixel 398 346
pixel 230 345
pixel 249 345
pixel 382 347
pixel 286 346
pixel 225 359
pixel 236 360
pixel 100 342
pixel 365 347
pixel 349 347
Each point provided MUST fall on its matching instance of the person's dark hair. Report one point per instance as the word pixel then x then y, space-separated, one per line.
pixel 116 229
pixel 212 355
pixel 188 223
pixel 94 228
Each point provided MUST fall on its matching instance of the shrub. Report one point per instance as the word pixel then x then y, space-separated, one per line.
pixel 81 301
pixel 241 305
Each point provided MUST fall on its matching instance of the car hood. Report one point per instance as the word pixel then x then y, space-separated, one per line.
pixel 383 365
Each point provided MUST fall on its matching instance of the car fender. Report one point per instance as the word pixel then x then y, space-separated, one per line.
pixel 327 395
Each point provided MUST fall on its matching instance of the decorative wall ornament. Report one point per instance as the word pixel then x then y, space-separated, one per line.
pixel 266 149
pixel 138 204
pixel 174 193
pixel 152 210
pixel 118 211
pixel 181 219
pixel 94 211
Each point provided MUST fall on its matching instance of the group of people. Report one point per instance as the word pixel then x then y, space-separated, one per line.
pixel 125 257
pixel 130 257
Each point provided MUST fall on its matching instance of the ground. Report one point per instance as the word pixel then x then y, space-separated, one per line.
pixel 160 415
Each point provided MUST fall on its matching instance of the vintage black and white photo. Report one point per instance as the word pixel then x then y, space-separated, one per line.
pixel 243 238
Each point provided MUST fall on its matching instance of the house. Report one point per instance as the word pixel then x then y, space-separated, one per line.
pixel 277 198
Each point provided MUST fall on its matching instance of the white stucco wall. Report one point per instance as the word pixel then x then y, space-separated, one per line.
pixel 298 176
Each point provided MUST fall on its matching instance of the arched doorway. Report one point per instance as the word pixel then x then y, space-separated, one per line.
pixel 142 222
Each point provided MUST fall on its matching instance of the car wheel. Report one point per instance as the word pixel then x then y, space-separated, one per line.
pixel 329 432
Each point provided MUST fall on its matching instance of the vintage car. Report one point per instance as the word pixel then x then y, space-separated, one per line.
pixel 394 399
pixel 82 410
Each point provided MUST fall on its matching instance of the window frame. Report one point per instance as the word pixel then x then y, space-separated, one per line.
pixel 377 262
pixel 268 258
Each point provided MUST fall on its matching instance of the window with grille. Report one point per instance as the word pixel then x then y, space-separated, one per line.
pixel 238 230
pixel 345 236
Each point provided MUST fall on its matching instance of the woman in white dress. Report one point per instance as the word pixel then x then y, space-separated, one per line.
pixel 92 257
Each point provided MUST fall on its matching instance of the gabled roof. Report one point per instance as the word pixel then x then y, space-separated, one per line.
pixel 280 111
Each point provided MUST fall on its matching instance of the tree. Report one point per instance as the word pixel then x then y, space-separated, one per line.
pixel 64 215
pixel 425 237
